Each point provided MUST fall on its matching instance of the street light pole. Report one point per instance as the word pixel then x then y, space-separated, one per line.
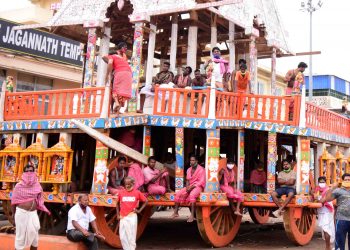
pixel 310 8
pixel 310 61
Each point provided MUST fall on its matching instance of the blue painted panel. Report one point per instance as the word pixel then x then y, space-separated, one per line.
pixel 339 84
pixel 319 82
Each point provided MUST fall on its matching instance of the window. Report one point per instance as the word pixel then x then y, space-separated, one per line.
pixel 260 88
pixel 26 82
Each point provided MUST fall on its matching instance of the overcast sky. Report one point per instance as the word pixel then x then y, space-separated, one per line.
pixel 331 35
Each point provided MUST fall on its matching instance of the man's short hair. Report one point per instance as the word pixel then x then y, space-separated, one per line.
pixel 194 156
pixel 132 179
pixel 151 158
pixel 166 63
pixel 189 69
pixel 302 65
pixel 81 196
pixel 25 169
pixel 215 48
pixel 197 70
pixel 121 158
pixel 345 175
pixel 321 178
pixel 242 61
pixel 121 45
pixel 285 160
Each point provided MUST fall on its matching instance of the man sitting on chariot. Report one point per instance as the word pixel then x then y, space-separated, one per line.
pixel 286 180
pixel 195 183
pixel 163 77
pixel 116 176
pixel 157 181
pixel 228 186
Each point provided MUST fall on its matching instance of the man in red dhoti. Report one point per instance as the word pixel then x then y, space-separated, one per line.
pixel 25 201
pixel 195 183
pixel 157 181
pixel 228 186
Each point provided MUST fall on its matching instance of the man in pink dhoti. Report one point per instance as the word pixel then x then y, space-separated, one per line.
pixel 157 181
pixel 195 183
pixel 228 186
pixel 135 171
pixel 26 199
pixel 116 177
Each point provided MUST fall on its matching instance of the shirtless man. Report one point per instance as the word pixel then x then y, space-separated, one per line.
pixel 116 176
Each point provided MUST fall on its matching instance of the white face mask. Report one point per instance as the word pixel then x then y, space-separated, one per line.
pixel 230 166
pixel 322 185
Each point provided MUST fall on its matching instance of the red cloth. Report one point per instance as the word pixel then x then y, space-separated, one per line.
pixel 258 177
pixel 29 189
pixel 198 177
pixel 135 171
pixel 128 201
pixel 119 63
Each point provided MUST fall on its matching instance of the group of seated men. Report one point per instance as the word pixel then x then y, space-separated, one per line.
pixel 216 69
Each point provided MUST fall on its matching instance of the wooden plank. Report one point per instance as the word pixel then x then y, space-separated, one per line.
pixel 113 144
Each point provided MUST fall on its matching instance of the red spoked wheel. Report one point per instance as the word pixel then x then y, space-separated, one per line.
pixel 218 226
pixel 299 224
pixel 6 208
pixel 107 223
pixel 259 215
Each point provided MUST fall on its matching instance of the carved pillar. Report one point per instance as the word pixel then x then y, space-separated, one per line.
pixel 303 166
pixel 90 57
pixel 318 167
pixel 100 177
pixel 179 150
pixel 173 41
pixel 231 46
pixel 213 32
pixel 240 160
pixel 192 41
pixel 253 64
pixel 150 54
pixel 273 72
pixel 212 160
pixel 146 140
pixel 103 50
pixel 271 161
pixel 136 60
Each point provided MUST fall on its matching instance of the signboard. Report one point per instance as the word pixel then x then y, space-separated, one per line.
pixel 41 44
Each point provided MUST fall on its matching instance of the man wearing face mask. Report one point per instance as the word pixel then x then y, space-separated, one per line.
pixel 80 217
pixel 228 186
pixel 286 180
pixel 342 218
pixel 217 68
pixel 25 201
pixel 325 213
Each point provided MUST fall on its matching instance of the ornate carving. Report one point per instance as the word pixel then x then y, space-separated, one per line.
pixel 144 6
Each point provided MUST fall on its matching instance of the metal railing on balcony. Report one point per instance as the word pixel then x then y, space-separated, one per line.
pixel 54 104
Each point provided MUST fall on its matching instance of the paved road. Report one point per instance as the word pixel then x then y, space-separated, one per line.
pixel 164 233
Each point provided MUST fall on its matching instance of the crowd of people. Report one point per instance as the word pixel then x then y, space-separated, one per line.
pixel 132 184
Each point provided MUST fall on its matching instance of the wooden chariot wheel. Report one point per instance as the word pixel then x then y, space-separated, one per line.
pixel 107 223
pixel 259 215
pixel 299 228
pixel 218 226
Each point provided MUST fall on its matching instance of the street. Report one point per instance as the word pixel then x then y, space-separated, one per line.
pixel 165 233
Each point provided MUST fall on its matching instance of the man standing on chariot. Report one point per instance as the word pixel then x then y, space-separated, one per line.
pixel 217 67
